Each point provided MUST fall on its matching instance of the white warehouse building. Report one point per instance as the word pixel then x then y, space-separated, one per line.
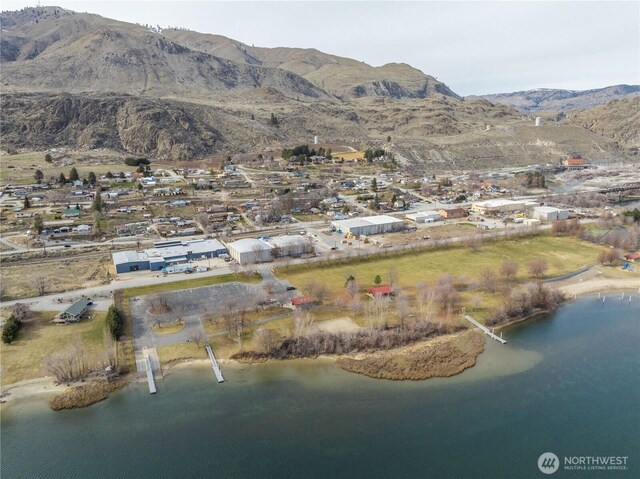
pixel 549 213
pixel 424 216
pixel 369 225
pixel 250 250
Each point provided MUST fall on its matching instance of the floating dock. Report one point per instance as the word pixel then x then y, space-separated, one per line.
pixel 152 384
pixel 484 329
pixel 214 364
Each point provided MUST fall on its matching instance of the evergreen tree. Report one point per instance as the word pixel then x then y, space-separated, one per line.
pixel 38 224
pixel 374 185
pixel 97 204
pixel 26 203
pixel 48 158
pixel 62 180
pixel 377 279
pixel 109 175
pixel 38 176
pixel 273 120
pixel 73 174
pixel 92 178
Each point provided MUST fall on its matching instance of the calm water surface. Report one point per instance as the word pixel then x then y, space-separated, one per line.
pixel 567 383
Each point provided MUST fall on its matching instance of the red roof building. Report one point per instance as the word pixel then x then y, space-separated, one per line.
pixel 633 256
pixel 303 300
pixel 382 290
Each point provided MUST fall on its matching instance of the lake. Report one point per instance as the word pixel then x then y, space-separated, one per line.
pixel 566 383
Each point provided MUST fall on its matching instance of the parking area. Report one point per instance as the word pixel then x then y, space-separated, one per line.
pixel 192 305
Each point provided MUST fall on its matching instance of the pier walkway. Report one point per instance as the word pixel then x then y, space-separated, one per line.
pixel 484 329
pixel 214 364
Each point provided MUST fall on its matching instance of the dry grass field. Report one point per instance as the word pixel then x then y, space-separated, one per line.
pixel 59 275
pixel 38 338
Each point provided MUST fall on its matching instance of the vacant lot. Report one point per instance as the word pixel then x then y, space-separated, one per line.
pixel 20 168
pixel 38 338
pixel 563 254
pixel 63 274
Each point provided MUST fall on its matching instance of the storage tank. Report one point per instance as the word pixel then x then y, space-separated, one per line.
pixel 538 121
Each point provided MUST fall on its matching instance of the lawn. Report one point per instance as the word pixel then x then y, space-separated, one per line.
pixel 38 338
pixel 168 328
pixel 250 317
pixel 180 351
pixel 190 283
pixel 563 254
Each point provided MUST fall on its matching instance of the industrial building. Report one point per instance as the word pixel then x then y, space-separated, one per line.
pixel 369 225
pixel 549 213
pixel 262 250
pixel 424 216
pixel 452 213
pixel 497 206
pixel 167 253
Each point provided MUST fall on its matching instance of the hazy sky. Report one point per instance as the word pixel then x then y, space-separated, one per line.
pixel 474 47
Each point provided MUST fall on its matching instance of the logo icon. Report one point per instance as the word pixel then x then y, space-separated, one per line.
pixel 548 463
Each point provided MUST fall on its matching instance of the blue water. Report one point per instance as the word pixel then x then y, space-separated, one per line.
pixel 566 383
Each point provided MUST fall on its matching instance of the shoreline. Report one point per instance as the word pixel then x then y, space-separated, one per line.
pixel 43 386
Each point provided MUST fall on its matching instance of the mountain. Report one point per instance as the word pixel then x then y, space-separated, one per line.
pixel 343 77
pixel 83 81
pixel 56 50
pixel 618 119
pixel 544 99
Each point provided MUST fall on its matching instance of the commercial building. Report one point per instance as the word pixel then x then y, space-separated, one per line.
pixel 73 313
pixel 424 216
pixel 369 225
pixel 549 213
pixel 262 250
pixel 167 253
pixel 453 213
pixel 497 206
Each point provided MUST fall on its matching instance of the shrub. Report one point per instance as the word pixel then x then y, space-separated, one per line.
pixel 114 322
pixel 10 330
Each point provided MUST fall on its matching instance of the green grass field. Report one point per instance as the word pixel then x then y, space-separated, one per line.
pixel 38 338
pixel 190 283
pixel 563 255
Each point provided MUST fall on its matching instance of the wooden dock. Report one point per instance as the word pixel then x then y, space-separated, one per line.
pixel 484 329
pixel 152 384
pixel 214 364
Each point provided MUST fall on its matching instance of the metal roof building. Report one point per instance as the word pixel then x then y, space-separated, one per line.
pixel 250 250
pixel 369 225
pixel 167 253
pixel 74 312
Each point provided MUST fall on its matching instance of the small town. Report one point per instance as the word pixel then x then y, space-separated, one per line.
pixel 263 239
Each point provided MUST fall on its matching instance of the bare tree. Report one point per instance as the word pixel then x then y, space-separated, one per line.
pixel 198 337
pixel 402 305
pixel 21 311
pixel 352 287
pixel 39 283
pixel 302 321
pixel 318 290
pixel 474 242
pixel 393 276
pixel 489 280
pixel 110 348
pixel 267 339
pixel 508 270
pixel 538 267
pixel 69 363
pixel 202 219
pixel 476 302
